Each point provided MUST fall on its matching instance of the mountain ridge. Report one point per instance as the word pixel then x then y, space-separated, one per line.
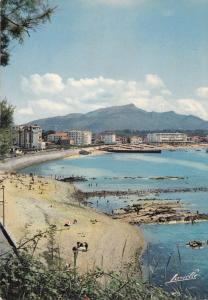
pixel 123 117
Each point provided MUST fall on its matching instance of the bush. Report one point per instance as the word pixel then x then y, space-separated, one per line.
pixel 46 277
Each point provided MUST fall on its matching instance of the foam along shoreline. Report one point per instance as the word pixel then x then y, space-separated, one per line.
pixel 16 163
pixel 20 162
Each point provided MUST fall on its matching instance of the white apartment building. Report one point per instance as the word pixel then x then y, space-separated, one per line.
pixel 28 137
pixel 80 137
pixel 164 137
pixel 109 138
pixel 57 136
pixel 135 140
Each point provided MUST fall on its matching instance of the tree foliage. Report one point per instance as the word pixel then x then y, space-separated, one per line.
pixel 18 18
pixel 6 114
pixel 6 121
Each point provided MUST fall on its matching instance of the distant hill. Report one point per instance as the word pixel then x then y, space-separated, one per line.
pixel 123 117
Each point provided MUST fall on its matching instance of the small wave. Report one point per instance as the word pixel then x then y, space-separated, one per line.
pixel 165 160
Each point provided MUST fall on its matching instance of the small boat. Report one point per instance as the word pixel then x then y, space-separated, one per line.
pixel 84 152
pixel 194 244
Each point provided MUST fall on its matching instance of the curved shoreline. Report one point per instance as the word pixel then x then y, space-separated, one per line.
pixel 109 233
pixel 16 163
pixel 20 162
pixel 112 243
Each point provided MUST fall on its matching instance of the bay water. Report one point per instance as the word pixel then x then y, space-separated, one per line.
pixel 166 252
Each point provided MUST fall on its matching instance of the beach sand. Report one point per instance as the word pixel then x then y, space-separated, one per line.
pixel 52 202
pixel 31 207
pixel 20 162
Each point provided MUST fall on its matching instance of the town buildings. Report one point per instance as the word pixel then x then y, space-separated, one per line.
pixel 80 137
pixel 59 137
pixel 167 137
pixel 109 138
pixel 121 139
pixel 28 137
pixel 135 140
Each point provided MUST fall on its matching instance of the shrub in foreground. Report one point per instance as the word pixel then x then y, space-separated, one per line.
pixel 25 277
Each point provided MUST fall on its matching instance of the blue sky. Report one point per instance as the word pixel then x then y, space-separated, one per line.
pixel 98 53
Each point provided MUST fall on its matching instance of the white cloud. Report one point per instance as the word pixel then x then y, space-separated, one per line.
pixel 87 94
pixel 202 92
pixel 51 106
pixel 192 107
pixel 103 91
pixel 25 111
pixel 154 81
pixel 166 92
pixel 48 83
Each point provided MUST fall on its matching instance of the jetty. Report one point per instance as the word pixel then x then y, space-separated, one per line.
pixel 132 149
pixel 123 150
pixel 104 193
pixel 71 179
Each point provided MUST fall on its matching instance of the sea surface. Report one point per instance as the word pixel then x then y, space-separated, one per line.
pixel 166 253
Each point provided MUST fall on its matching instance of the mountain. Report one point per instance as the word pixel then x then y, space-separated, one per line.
pixel 123 117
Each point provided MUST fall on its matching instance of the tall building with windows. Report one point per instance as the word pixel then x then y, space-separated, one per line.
pixel 80 137
pixel 164 137
pixel 109 138
pixel 28 137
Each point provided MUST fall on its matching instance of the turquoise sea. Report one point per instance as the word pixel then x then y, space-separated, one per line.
pixel 167 253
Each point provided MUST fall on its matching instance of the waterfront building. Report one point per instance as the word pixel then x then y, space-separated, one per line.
pixel 28 137
pixel 121 139
pixel 109 138
pixel 96 138
pixel 164 137
pixel 80 137
pixel 198 139
pixel 135 140
pixel 57 136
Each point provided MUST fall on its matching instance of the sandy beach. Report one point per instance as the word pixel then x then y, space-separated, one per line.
pixel 31 207
pixel 20 162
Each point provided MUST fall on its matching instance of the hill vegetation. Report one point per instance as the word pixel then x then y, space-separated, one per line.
pixel 121 118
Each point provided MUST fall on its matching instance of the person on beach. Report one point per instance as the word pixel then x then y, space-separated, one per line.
pixel 86 246
pixel 82 246
pixel 74 249
pixel 67 223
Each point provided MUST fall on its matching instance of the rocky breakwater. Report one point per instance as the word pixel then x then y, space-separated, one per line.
pixel 158 212
pixel 157 191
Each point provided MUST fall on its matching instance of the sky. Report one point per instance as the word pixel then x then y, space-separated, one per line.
pixel 100 53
